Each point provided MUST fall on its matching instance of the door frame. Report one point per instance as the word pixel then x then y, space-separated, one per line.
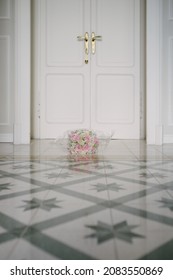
pixel 22 127
pixel 22 75
pixel 154 124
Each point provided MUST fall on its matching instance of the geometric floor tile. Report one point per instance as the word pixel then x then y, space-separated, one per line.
pixel 116 205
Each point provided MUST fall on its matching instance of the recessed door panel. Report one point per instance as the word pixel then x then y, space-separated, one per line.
pixel 64 21
pixel 64 99
pixel 115 99
pixel 115 21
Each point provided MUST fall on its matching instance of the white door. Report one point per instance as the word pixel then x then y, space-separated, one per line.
pixel 115 68
pixel 102 94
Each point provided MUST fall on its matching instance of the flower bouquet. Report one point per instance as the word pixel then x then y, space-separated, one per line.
pixel 82 142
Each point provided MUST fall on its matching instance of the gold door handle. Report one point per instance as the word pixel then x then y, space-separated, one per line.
pixel 93 41
pixel 86 45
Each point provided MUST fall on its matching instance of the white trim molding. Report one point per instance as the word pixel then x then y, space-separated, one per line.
pixel 22 72
pixel 168 139
pixel 154 98
pixel 7 16
pixel 6 137
pixel 170 10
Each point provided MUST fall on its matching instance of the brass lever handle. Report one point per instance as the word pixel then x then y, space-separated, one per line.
pixel 93 41
pixel 86 45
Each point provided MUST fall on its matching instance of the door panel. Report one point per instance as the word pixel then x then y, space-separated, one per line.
pixel 111 107
pixel 64 99
pixel 103 94
pixel 64 21
pixel 115 22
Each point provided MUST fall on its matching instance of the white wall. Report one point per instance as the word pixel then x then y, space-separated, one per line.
pixel 6 70
pixel 167 70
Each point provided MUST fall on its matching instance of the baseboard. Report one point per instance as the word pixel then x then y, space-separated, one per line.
pixel 6 137
pixel 168 139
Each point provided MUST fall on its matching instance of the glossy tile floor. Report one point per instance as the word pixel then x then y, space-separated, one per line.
pixel 117 205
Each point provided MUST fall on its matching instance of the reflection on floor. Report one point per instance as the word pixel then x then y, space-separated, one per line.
pixel 118 205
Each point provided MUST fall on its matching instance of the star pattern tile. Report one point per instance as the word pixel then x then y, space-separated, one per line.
pixel 167 203
pixel 6 186
pixel 104 187
pixel 46 204
pixel 109 166
pixel 158 175
pixel 59 175
pixel 30 166
pixel 104 232
pixel 146 175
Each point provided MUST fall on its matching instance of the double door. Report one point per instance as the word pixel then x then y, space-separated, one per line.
pixel 88 53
